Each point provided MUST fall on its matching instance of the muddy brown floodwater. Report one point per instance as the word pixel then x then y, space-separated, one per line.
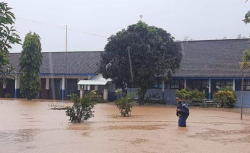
pixel 32 127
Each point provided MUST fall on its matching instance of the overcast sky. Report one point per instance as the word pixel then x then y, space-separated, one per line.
pixel 197 19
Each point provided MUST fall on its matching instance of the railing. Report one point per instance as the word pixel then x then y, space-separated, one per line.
pixel 204 103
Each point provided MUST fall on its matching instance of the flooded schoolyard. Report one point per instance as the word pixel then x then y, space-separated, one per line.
pixel 31 126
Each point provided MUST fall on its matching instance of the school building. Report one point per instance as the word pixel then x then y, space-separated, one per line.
pixel 207 65
pixel 60 74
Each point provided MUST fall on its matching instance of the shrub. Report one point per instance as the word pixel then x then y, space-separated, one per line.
pixel 189 95
pixel 197 95
pixel 226 96
pixel 124 103
pixel 82 108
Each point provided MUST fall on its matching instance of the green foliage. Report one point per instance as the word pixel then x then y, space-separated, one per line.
pixel 30 62
pixel 197 95
pixel 246 58
pixel 8 36
pixel 153 52
pixel 189 95
pixel 247 17
pixel 82 108
pixel 124 103
pixel 226 96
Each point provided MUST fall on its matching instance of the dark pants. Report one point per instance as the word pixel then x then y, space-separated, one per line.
pixel 182 121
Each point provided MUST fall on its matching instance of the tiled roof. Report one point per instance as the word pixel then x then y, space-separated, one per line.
pixel 84 62
pixel 202 58
pixel 212 58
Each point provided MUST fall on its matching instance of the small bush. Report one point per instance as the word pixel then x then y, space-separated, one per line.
pixel 226 96
pixel 189 95
pixel 124 103
pixel 82 108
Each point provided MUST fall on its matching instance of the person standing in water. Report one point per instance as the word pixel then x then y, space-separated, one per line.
pixel 182 112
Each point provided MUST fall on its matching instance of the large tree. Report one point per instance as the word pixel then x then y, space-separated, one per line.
pixel 8 37
pixel 30 62
pixel 153 52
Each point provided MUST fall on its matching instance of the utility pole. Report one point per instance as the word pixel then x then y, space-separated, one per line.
pixel 65 77
pixel 66 44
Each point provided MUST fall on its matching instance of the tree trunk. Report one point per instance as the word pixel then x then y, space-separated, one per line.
pixel 142 96
pixel 242 93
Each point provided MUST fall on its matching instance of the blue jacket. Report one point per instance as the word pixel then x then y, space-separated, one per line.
pixel 183 106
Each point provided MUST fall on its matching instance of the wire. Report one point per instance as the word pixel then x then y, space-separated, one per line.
pixel 40 23
pixel 61 27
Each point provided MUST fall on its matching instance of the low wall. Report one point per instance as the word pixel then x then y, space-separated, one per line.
pixel 169 94
pixel 246 99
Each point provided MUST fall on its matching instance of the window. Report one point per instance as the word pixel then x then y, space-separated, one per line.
pixel 200 85
pixel 224 83
pixel 176 84
pixel 157 84
pixel 246 86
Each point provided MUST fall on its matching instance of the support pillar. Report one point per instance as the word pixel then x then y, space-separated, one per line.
pixel 4 88
pixel 185 83
pixel 96 88
pixel 233 84
pixel 210 89
pixel 63 88
pixel 17 82
pixel 4 85
pixel 162 89
pixel 47 88
pixel 81 90
pixel 105 94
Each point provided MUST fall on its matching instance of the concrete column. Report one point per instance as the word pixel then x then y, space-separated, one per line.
pixel 4 85
pixel 96 88
pixel 47 83
pixel 105 94
pixel 17 84
pixel 88 87
pixel 185 83
pixel 210 89
pixel 47 88
pixel 81 91
pixel 63 88
pixel 163 89
pixel 233 84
